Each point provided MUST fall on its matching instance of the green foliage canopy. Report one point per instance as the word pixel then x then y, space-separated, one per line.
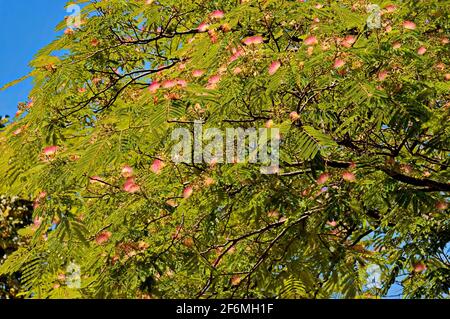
pixel 15 214
pixel 364 179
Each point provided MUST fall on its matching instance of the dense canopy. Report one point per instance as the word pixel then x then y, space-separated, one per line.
pixel 359 90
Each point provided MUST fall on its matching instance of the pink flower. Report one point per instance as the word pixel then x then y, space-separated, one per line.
pixel 332 223
pixel 130 186
pixel 311 40
pixel 37 222
pixel 50 150
pixel 257 39
pixel 237 52
pixel 167 84
pixel 154 87
pixel 17 132
pixel 390 8
pixel 447 77
pixel 171 203
pixel 197 73
pixel 440 66
pixel 248 41
pixel 396 45
pixel 420 267
pixel 323 178
pixel 103 237
pixel 421 50
pixel 212 36
pixel 68 31
pixel 382 75
pixel 182 83
pixel 338 63
pixel 225 27
pixel 157 166
pixel 237 70
pixel 217 14
pixel 209 181
pixel 273 214
pixel 273 68
pixel 127 171
pixel 203 27
pixel 294 116
pixel 409 25
pixel 234 57
pixel 348 176
pixel 188 192
pixel 441 205
pixel 214 79
pixel 348 41
pixel 406 168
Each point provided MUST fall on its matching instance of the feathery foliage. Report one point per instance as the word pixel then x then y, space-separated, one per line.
pixel 364 168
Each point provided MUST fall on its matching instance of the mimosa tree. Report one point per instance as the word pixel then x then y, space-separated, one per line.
pixel 358 90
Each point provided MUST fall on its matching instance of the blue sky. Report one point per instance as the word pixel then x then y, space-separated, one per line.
pixel 25 27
